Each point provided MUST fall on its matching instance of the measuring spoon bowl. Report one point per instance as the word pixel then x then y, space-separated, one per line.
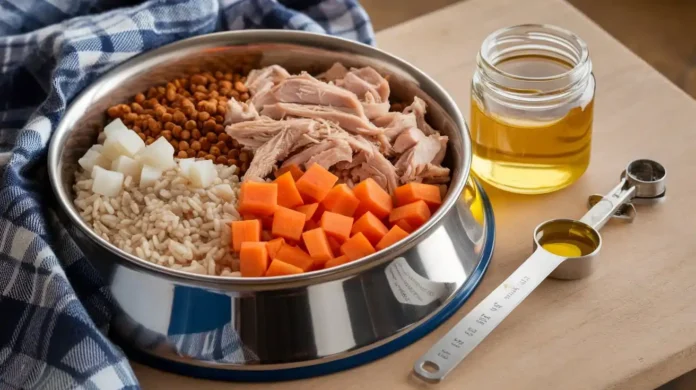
pixel 648 177
pixel 577 241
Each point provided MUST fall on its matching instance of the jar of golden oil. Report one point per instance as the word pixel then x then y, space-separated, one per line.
pixel 532 99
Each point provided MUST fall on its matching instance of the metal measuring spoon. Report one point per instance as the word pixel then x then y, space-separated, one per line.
pixel 642 179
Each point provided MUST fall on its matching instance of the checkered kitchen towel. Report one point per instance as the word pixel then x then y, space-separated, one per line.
pixel 54 312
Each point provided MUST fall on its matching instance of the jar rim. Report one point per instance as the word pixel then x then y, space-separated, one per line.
pixel 570 37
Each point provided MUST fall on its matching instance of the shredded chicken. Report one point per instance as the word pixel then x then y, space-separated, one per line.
pixel 339 120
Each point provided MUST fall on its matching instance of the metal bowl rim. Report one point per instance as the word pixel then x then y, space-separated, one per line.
pixel 239 38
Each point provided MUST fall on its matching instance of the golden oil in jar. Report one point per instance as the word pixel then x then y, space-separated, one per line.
pixel 532 109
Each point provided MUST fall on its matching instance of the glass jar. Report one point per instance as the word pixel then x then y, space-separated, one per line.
pixel 532 99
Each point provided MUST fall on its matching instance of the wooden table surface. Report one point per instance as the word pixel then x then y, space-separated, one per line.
pixel 632 324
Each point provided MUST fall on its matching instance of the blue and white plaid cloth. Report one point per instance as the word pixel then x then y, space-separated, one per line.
pixel 54 311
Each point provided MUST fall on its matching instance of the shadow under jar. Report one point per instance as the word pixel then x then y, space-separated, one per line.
pixel 532 99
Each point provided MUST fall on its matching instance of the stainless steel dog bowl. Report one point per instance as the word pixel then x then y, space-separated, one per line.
pixel 286 327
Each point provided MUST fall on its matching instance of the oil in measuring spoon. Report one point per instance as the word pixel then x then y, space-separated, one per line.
pixel 531 151
pixel 566 243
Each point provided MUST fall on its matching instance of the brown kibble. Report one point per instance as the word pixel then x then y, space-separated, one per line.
pixel 137 108
pixel 219 129
pixel 211 137
pixel 221 109
pixel 139 98
pixel 182 154
pixel 203 116
pixel 243 157
pixel 175 144
pixel 201 88
pixel 201 154
pixel 131 117
pixel 185 134
pixel 234 153
pixel 191 153
pixel 190 125
pixel 239 86
pixel 198 79
pixel 220 144
pixel 166 117
pixel 205 144
pixel 219 118
pixel 142 136
pixel 244 97
pixel 179 118
pixel 221 160
pixel 183 145
pixel 195 145
pixel 210 157
pixel 137 128
pixel 160 110
pixel 225 84
pixel 223 137
pixel 195 133
pixel 167 134
pixel 212 87
pixel 169 126
pixel 210 108
pixel 124 108
pixel 214 150
pixel 209 124
pixel 152 92
pixel 228 76
pixel 176 131
pixel 171 94
pixel 113 111
pixel 225 91
pixel 149 140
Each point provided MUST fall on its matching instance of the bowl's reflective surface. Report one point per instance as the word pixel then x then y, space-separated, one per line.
pixel 243 324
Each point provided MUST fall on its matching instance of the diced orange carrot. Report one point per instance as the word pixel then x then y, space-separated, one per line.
pixel 373 197
pixel 412 192
pixel 416 213
pixel 319 212
pixel 341 200
pixel 357 247
pixel 316 183
pixel 266 222
pixel 317 246
pixel 371 227
pixel 253 259
pixel 258 198
pixel 362 209
pixel 405 226
pixel 273 246
pixel 280 268
pixel 288 224
pixel 288 195
pixel 394 235
pixel 294 170
pixel 336 261
pixel 335 245
pixel 336 225
pixel 295 256
pixel 308 210
pixel 311 224
pixel 245 231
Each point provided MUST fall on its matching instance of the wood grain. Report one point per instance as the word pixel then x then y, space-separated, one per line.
pixel 632 325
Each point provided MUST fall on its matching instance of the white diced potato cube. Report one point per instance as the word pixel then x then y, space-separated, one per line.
pixel 91 159
pixel 185 165
pixel 107 183
pixel 127 166
pixel 202 173
pixel 149 176
pixel 159 154
pixel 101 138
pixel 97 148
pixel 114 127
pixel 131 143
pixel 110 150
pixel 224 191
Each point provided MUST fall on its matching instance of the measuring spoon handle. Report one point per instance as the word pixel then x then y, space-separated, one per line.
pixel 468 333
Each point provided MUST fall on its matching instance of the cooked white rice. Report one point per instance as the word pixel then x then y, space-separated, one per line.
pixel 171 223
